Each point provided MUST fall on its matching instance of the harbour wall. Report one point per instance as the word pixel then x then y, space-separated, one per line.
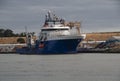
pixel 100 36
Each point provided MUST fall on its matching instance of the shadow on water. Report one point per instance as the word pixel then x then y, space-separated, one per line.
pixel 53 54
pixel 72 53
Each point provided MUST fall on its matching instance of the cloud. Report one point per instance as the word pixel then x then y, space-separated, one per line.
pixel 94 14
pixel 117 2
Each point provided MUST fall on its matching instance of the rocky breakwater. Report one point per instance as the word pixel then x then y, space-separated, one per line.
pixel 10 48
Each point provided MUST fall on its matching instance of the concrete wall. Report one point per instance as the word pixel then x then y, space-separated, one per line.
pixel 103 36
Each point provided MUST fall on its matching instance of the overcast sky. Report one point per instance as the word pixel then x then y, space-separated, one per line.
pixel 95 15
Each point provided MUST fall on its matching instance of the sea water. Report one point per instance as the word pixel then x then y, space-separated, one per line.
pixel 70 67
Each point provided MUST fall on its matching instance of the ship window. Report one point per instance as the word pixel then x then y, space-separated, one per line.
pixel 53 29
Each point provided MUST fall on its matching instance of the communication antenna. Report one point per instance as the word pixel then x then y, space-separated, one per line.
pixel 26 31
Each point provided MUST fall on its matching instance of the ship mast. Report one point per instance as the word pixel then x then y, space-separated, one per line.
pixel 51 17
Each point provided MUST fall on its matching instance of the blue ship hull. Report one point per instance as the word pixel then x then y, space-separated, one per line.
pixel 52 47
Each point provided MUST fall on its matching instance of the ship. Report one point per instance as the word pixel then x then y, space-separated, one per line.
pixel 55 37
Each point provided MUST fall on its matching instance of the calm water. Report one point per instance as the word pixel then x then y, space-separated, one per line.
pixel 79 67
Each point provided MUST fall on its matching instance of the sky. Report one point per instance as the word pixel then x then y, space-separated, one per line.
pixel 94 15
